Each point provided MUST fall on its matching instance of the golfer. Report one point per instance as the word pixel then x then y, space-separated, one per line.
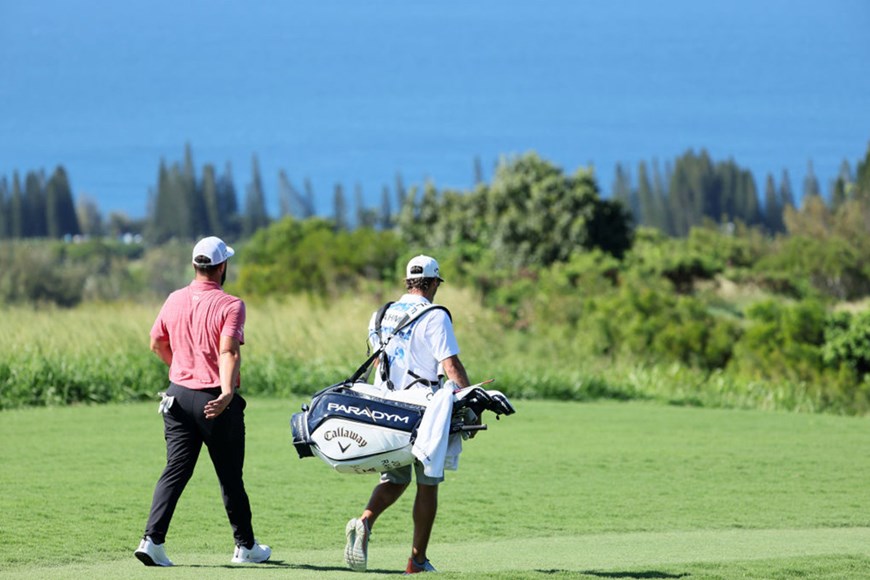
pixel 198 334
pixel 414 355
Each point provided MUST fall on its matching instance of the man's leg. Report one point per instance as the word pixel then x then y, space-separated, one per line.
pixel 383 496
pixel 225 438
pixel 357 531
pixel 183 444
pixel 425 508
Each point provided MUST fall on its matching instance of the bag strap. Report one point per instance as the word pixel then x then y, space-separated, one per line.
pixel 407 319
pixel 379 318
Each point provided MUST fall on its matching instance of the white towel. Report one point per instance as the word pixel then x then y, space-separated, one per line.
pixel 435 447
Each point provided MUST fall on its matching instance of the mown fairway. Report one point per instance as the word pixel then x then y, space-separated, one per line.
pixel 603 490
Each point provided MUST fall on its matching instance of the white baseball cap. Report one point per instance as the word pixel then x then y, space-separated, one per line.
pixel 422 267
pixel 212 248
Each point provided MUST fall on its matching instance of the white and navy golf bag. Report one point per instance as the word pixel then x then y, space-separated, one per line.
pixel 354 432
pixel 358 428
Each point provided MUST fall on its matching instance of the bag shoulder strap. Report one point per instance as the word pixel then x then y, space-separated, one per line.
pixel 409 317
pixel 415 313
pixel 379 318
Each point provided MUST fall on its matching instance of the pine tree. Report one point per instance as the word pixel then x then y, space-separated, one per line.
pixel 659 216
pixel 692 188
pixel 339 208
pixel 4 208
pixel 365 217
pixel 17 210
pixel 228 205
pixel 623 192
pixel 286 196
pixel 749 206
pixel 478 171
pixel 811 183
pixel 89 216
pixel 34 205
pixel 724 201
pixel 786 196
pixel 649 211
pixel 169 213
pixel 198 221
pixel 772 208
pixel 862 178
pixel 841 189
pixel 256 216
pixel 401 192
pixel 308 204
pixel 213 224
pixel 385 220
pixel 61 218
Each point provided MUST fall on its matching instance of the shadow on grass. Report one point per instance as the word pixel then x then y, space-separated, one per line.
pixel 645 574
pixel 271 564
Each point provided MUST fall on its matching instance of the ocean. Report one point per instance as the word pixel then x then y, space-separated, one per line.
pixel 356 93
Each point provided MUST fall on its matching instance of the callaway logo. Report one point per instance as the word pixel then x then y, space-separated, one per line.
pixel 347 433
pixel 373 415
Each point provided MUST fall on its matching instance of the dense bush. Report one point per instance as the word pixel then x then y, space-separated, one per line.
pixel 531 215
pixel 847 343
pixel 310 256
pixel 783 341
pixel 36 272
pixel 832 267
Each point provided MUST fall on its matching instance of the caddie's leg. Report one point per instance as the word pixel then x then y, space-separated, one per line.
pixel 383 496
pixel 425 508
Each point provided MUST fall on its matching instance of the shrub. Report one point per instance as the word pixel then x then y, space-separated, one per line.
pixel 782 342
pixel 308 256
pixel 847 343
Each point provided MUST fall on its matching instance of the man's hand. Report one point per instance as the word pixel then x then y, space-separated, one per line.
pixel 215 407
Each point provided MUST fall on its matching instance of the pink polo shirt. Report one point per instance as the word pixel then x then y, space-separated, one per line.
pixel 193 319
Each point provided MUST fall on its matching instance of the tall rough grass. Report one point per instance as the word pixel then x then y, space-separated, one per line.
pixel 99 353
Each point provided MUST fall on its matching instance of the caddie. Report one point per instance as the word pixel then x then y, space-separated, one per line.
pixel 412 360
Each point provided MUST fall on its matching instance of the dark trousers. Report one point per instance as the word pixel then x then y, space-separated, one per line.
pixel 186 429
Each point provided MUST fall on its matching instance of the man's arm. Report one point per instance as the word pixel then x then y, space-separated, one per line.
pixel 229 364
pixel 162 349
pixel 455 371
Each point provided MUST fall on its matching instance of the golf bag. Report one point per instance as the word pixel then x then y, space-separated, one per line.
pixel 358 428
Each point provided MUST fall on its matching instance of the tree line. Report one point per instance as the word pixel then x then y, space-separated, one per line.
pixel 185 203
pixel 696 188
pixel 40 207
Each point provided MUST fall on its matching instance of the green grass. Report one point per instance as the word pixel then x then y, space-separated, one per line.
pixel 603 490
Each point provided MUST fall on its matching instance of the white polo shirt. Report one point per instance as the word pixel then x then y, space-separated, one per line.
pixel 418 348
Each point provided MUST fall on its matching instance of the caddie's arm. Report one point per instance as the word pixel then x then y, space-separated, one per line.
pixel 455 371
pixel 229 363
pixel 162 349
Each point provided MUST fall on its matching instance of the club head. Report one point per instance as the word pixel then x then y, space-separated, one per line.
pixel 499 404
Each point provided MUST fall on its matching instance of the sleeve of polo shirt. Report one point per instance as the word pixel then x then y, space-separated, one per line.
pixel 158 329
pixel 439 332
pixel 234 323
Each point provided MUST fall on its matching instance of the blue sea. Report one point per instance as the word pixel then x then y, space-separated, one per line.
pixel 356 93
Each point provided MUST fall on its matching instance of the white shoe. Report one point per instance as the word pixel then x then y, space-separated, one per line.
pixel 152 554
pixel 253 555
pixel 356 551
